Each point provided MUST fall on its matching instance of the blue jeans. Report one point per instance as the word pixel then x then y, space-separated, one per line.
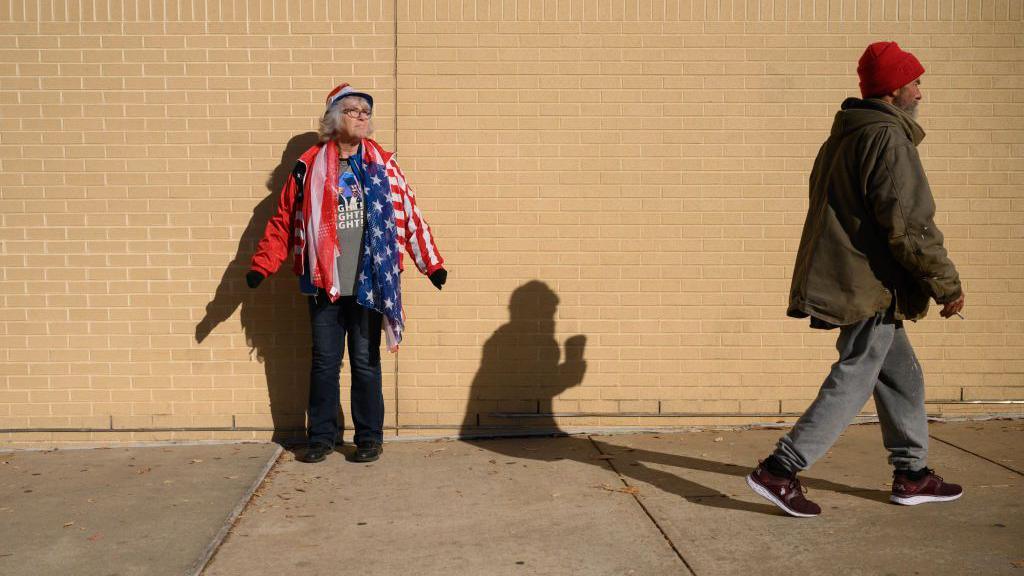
pixel 330 324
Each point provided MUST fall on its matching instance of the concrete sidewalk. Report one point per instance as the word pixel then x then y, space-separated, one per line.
pixel 125 511
pixel 669 503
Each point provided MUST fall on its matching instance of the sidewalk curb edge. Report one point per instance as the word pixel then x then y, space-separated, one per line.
pixel 200 564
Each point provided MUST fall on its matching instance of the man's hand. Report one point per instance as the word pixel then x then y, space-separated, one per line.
pixel 253 278
pixel 439 277
pixel 953 308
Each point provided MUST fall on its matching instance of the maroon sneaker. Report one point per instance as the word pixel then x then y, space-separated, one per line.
pixel 786 493
pixel 930 488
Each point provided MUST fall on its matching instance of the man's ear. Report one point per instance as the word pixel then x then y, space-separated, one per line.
pixel 891 96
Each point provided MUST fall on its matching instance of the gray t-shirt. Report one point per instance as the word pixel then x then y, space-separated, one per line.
pixel 351 218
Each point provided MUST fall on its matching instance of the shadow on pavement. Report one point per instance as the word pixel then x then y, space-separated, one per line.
pixel 520 371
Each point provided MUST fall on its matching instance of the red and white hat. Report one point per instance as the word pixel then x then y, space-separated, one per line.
pixel 342 90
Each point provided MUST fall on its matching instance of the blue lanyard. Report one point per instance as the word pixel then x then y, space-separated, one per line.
pixel 358 169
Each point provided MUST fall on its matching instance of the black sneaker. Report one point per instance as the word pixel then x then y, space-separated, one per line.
pixel 368 451
pixel 928 488
pixel 316 452
pixel 786 493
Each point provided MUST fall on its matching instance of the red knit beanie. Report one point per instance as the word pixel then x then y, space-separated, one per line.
pixel 884 67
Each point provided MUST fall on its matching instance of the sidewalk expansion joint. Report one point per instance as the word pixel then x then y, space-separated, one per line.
pixel 1000 464
pixel 204 559
pixel 636 498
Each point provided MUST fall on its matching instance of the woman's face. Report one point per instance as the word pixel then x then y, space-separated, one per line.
pixel 355 114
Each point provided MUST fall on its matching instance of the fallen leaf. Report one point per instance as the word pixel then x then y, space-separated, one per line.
pixel 66 524
pixel 196 461
pixel 143 470
pixel 623 489
pixel 1017 563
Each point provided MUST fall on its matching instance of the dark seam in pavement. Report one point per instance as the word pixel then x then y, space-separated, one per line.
pixel 236 513
pixel 636 498
pixel 978 455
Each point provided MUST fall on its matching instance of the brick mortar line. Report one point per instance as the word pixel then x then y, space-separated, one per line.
pixel 636 498
pixel 395 89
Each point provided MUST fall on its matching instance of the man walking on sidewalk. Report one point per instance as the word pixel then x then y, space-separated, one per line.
pixel 870 257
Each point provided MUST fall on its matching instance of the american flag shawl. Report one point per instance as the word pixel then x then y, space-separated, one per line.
pixel 378 286
pixel 393 222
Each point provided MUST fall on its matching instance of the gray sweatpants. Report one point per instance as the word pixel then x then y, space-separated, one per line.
pixel 875 357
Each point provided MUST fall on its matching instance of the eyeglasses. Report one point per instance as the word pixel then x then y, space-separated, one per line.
pixel 355 113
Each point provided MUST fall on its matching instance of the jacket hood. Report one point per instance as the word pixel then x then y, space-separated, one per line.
pixel 856 113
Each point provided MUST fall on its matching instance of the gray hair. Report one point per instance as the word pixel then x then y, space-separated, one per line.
pixel 332 125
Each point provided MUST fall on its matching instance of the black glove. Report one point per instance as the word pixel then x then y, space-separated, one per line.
pixel 253 278
pixel 439 277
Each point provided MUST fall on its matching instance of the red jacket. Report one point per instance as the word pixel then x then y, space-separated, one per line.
pixel 285 235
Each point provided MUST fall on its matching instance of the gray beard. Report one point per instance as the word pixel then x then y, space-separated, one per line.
pixel 911 109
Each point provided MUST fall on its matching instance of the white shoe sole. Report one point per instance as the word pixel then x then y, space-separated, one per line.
pixel 915 500
pixel 767 495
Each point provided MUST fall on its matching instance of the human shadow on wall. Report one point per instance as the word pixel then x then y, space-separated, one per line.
pixel 521 373
pixel 274 317
pixel 520 370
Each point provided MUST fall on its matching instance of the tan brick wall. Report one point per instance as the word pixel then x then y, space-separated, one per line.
pixel 644 162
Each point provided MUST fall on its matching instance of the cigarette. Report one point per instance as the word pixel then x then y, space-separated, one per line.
pixel 960 315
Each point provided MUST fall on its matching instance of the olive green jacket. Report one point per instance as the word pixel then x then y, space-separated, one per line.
pixel 869 235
